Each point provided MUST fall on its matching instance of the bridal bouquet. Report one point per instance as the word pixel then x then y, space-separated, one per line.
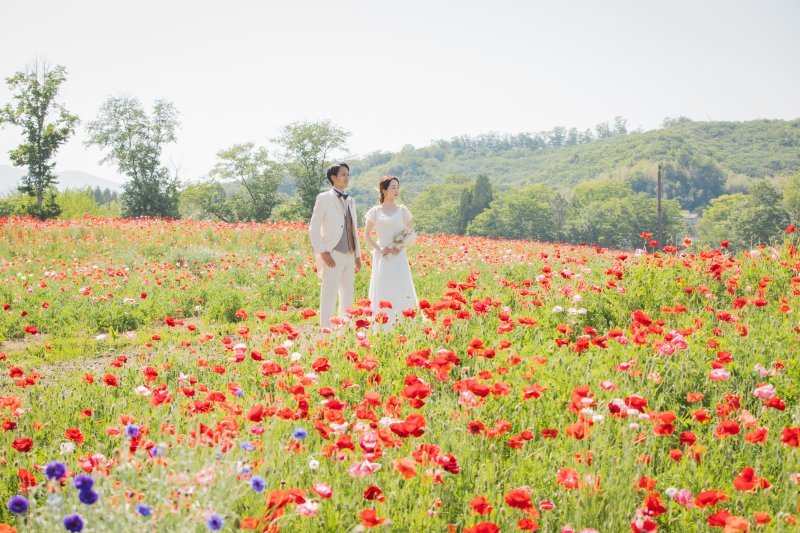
pixel 402 238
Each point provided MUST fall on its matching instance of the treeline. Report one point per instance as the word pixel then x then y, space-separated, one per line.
pixel 70 204
pixel 609 214
pixel 558 136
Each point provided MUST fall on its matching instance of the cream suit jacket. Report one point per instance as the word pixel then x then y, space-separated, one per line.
pixel 327 224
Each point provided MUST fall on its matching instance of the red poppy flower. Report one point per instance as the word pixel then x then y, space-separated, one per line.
pixel 74 435
pixel 369 518
pixel 483 527
pixel 710 498
pixel 726 428
pixel 568 478
pixel 748 480
pixel 790 436
pixel 519 499
pixel 374 493
pixel 110 380
pixel 23 445
pixel 549 433
pixel 481 506
pixel 526 524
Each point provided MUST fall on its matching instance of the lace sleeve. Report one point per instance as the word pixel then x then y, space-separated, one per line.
pixel 370 216
pixel 406 217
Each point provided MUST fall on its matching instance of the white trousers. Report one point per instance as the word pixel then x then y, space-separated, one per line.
pixel 337 280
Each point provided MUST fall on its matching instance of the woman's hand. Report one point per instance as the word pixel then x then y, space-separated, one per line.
pixel 395 251
pixel 386 250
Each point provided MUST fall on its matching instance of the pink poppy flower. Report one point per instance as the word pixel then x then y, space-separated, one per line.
pixel 307 508
pixel 363 469
pixel 719 374
pixel 608 385
pixel 684 497
pixel 767 392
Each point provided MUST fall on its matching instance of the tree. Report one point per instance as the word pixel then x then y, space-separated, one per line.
pixel 559 209
pixel 620 126
pixel 38 89
pixel 464 211
pixel 558 135
pixel 603 130
pixel 307 146
pixel 669 121
pixel 135 142
pixel 523 214
pixel 715 225
pixel 762 219
pixel 573 137
pixel 256 198
pixel 791 197
pixel 437 209
pixel 481 195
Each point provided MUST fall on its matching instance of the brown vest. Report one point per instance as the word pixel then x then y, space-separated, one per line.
pixel 347 244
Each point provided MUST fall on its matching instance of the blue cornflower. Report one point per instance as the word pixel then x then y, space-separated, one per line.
pixel 143 509
pixel 83 482
pixel 214 522
pixel 132 431
pixel 299 433
pixel 18 504
pixel 88 496
pixel 246 446
pixel 257 483
pixel 239 392
pixel 158 451
pixel 73 523
pixel 55 470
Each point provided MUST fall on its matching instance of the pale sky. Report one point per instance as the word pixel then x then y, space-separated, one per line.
pixel 396 73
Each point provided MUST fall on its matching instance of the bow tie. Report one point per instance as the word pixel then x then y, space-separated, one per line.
pixel 341 194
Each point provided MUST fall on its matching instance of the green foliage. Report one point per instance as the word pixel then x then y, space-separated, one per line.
pixel 255 198
pixel 761 220
pixel 715 225
pixel 10 202
pixel 791 197
pixel 524 214
pixel 307 146
pixel 437 210
pixel 608 214
pixel 76 202
pixel 38 89
pixel 742 150
pixel 134 142
pixel 104 197
pixel 48 208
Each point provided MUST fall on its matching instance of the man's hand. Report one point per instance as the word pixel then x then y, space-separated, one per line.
pixel 358 264
pixel 327 259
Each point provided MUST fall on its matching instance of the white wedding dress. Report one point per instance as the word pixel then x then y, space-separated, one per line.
pixel 391 275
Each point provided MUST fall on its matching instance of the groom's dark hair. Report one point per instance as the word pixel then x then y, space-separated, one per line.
pixel 333 170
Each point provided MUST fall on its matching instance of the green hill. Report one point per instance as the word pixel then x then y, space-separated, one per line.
pixel 701 160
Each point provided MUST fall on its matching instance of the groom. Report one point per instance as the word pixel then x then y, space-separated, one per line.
pixel 334 238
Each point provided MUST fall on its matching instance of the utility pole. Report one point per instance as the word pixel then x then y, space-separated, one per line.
pixel 660 242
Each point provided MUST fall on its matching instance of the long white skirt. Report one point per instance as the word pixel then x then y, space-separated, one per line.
pixel 391 282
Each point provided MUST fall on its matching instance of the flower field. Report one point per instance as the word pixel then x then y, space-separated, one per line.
pixel 170 376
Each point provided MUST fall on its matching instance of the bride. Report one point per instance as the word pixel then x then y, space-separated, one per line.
pixel 391 281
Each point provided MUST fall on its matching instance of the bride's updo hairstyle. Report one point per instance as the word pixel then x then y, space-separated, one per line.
pixel 384 185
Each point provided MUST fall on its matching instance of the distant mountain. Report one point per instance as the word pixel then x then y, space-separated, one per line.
pixel 67 179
